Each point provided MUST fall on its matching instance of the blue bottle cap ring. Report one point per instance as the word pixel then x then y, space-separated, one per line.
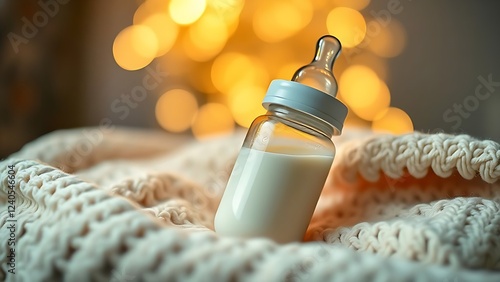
pixel 308 100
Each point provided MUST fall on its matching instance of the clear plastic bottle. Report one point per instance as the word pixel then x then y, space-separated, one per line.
pixel 287 154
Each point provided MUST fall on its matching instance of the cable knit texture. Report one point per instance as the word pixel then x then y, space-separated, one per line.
pixel 131 205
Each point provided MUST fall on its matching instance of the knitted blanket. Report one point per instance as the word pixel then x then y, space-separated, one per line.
pixel 131 205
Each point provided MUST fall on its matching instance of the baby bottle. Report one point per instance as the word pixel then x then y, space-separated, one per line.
pixel 286 156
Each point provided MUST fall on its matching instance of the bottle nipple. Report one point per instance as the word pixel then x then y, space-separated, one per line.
pixel 313 88
pixel 318 74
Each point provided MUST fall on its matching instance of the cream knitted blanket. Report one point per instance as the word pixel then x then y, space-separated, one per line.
pixel 131 205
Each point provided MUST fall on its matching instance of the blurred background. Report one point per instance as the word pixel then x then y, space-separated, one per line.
pixel 201 67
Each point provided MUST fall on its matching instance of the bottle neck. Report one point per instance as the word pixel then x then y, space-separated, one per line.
pixel 301 119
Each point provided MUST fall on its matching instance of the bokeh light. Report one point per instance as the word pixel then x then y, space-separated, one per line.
pixel 149 8
pixel 274 21
pixel 202 81
pixel 186 12
pixel 245 103
pixel 206 38
pixel 288 70
pixel 348 25
pixel 229 50
pixel 353 121
pixel 353 4
pixel 273 61
pixel 381 101
pixel 375 63
pixel 227 10
pixel 164 29
pixel 393 120
pixel 389 41
pixel 234 69
pixel 175 110
pixel 359 87
pixel 212 119
pixel 135 47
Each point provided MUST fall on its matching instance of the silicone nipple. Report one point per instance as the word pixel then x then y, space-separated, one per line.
pixel 318 74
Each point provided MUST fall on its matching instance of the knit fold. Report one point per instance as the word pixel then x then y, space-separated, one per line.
pixel 135 205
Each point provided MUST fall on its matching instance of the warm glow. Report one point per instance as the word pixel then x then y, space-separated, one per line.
pixel 232 69
pixel 149 8
pixel 225 6
pixel 359 87
pixel 201 80
pixel 354 4
pixel 274 21
pixel 377 64
pixel 276 56
pixel 176 109
pixel 185 12
pixel 228 51
pixel 207 37
pixel 347 25
pixel 393 120
pixel 165 30
pixel 135 47
pixel 227 10
pixel 389 41
pixel 288 70
pixel 232 26
pixel 245 104
pixel 381 102
pixel 353 121
pixel 212 119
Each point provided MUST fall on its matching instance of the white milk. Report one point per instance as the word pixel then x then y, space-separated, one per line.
pixel 271 195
